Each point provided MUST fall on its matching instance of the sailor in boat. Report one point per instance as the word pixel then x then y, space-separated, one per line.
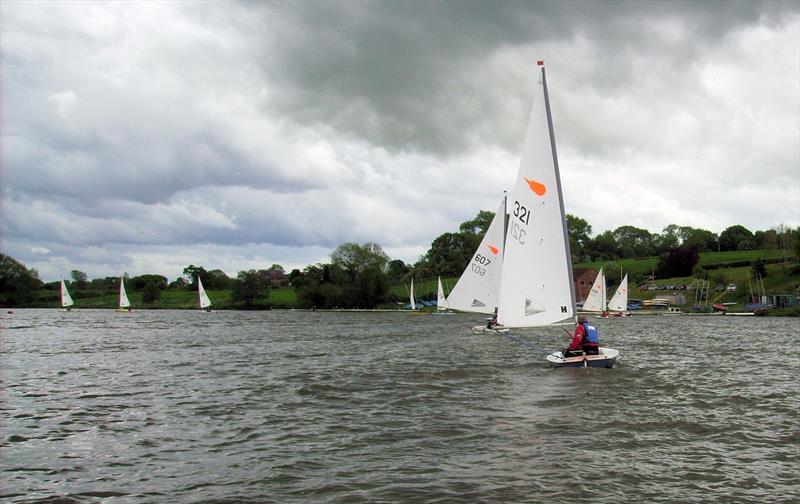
pixel 492 321
pixel 585 340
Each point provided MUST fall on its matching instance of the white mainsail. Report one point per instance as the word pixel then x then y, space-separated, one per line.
pixel 536 285
pixel 411 295
pixel 124 302
pixel 595 301
pixel 205 302
pixel 66 299
pixel 619 301
pixel 441 301
pixel 477 289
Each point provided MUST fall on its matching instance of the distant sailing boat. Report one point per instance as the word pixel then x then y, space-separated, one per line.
pixel 411 295
pixel 124 302
pixel 479 284
pixel 205 302
pixel 441 300
pixel 66 299
pixel 596 300
pixel 618 305
pixel 536 285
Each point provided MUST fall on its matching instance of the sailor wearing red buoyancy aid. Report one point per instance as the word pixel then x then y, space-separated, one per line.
pixel 586 338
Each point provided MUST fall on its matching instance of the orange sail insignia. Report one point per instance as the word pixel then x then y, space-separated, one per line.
pixel 536 187
pixel 493 249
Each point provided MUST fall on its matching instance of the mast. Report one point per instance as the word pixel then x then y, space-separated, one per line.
pixel 560 193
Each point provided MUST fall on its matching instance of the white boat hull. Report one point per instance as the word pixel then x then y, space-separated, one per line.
pixel 482 329
pixel 605 359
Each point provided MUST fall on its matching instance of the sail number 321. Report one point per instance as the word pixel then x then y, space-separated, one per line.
pixel 523 215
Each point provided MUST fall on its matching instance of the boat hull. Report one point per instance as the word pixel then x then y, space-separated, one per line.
pixel 605 359
pixel 482 329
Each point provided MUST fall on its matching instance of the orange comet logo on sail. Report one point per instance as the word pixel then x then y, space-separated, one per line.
pixel 493 249
pixel 536 187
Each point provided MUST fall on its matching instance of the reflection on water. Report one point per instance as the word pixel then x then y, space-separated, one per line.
pixel 364 407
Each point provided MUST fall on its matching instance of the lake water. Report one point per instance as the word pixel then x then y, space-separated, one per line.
pixel 183 406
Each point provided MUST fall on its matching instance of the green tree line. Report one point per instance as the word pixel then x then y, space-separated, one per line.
pixel 361 275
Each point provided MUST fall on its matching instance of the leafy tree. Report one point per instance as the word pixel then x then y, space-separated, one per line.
pixel 604 246
pixel 701 239
pixel 192 272
pixel 80 279
pixel 449 254
pixel 180 283
pixel 248 288
pixel 479 225
pixel 355 258
pixel 397 269
pixel 296 277
pixel 139 283
pixel 151 293
pixel 17 283
pixel 633 241
pixel 216 279
pixel 578 231
pixel 677 262
pixel 736 238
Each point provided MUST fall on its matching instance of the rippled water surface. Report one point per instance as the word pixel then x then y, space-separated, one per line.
pixel 182 406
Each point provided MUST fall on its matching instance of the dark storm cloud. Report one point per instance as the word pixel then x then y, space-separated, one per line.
pixel 406 75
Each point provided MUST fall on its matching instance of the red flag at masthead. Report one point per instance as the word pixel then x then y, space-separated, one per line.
pixel 540 62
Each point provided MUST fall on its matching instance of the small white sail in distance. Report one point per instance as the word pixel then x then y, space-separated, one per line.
pixel 205 302
pixel 411 295
pixel 124 302
pixel 536 287
pixel 619 301
pixel 441 300
pixel 479 284
pixel 66 299
pixel 594 301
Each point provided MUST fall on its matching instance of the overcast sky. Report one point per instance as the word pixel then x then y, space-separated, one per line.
pixel 142 137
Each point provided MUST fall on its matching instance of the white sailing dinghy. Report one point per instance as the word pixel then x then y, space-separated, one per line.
pixel 66 299
pixel 618 304
pixel 536 285
pixel 477 289
pixel 441 300
pixel 124 302
pixel 205 302
pixel 596 300
pixel 411 296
